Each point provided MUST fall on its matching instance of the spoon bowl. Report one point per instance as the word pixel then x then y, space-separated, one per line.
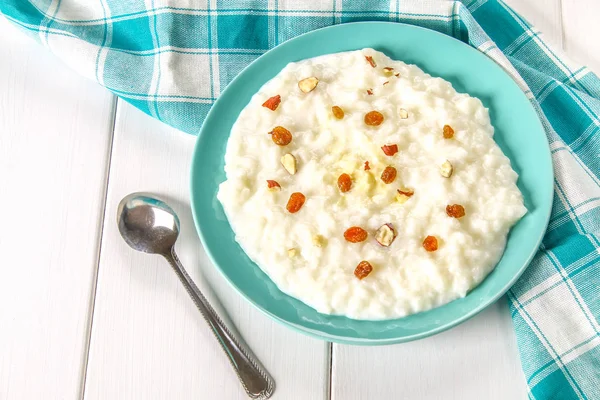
pixel 147 224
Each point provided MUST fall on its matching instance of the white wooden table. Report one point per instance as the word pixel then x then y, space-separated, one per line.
pixel 84 316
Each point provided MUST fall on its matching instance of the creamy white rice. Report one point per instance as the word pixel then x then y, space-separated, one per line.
pixel 405 278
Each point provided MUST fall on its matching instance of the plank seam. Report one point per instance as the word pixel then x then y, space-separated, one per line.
pixel 329 381
pixel 98 254
pixel 561 13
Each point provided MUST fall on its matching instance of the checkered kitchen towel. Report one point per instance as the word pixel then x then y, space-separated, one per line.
pixel 172 58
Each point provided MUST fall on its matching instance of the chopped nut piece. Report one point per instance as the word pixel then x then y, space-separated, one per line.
pixel 337 112
pixel 367 166
pixel 448 132
pixel 388 175
pixel 370 92
pixel 373 118
pixel 389 150
pixel 289 163
pixel 273 186
pixel 318 240
pixel 344 183
pixel 446 169
pixel 385 83
pixel 388 70
pixel 295 202
pixel 401 198
pixel 455 211
pixel 308 84
pixel 281 136
pixel 355 234
pixel 430 243
pixel 385 235
pixel 363 269
pixel 403 113
pixel 272 103
pixel 371 61
pixel 292 252
pixel 403 195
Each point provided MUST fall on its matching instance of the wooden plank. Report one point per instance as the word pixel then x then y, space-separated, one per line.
pixel 55 134
pixel 581 32
pixel 475 360
pixel 148 339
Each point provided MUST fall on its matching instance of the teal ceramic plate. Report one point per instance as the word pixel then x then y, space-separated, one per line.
pixel 518 132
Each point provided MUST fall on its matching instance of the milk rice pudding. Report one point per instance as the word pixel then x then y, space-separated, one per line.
pixel 367 188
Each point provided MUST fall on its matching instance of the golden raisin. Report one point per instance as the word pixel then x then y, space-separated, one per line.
pixel 337 112
pixel 273 184
pixel 295 202
pixel 281 136
pixel 430 243
pixel 455 211
pixel 448 132
pixel 390 150
pixel 367 166
pixel 373 118
pixel 371 61
pixel 272 103
pixel 355 234
pixel 363 269
pixel 388 175
pixel 344 183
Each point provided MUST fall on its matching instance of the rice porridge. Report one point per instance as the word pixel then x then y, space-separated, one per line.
pixel 367 188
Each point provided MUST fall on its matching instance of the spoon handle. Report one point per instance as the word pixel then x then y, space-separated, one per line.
pixel 255 380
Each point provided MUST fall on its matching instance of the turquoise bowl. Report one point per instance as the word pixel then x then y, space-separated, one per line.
pixel 518 132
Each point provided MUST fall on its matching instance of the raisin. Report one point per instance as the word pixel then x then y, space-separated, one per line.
pixel 430 243
pixel 390 150
pixel 295 202
pixel 367 166
pixel 337 112
pixel 388 175
pixel 448 132
pixel 355 234
pixel 455 211
pixel 371 61
pixel 272 103
pixel 373 118
pixel 273 184
pixel 344 183
pixel 281 136
pixel 363 269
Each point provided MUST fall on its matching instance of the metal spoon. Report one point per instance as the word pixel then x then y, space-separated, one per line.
pixel 151 226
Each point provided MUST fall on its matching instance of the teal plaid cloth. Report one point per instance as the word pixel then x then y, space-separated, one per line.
pixel 172 58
